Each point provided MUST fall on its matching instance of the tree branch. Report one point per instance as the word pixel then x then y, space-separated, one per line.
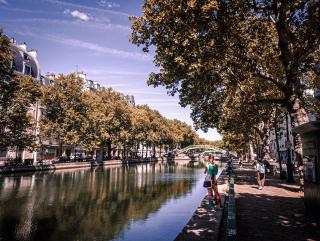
pixel 269 101
pixel 274 81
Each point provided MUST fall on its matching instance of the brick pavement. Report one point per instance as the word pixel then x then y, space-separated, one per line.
pixel 275 213
pixel 204 224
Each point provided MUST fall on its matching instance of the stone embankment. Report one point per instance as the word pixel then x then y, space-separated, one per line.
pixel 67 165
pixel 206 220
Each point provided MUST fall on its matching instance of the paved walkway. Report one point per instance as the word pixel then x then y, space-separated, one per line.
pixel 275 213
pixel 204 225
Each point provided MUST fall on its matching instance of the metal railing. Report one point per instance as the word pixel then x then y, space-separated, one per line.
pixel 231 234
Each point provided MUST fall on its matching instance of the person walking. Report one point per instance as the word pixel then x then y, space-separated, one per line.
pixel 230 168
pixel 240 163
pixel 212 170
pixel 261 173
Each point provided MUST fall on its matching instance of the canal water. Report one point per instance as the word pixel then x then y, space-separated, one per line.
pixel 150 202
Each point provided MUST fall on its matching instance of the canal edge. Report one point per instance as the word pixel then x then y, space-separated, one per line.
pixel 205 223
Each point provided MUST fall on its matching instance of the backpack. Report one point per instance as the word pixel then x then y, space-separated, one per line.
pixel 261 168
pixel 207 181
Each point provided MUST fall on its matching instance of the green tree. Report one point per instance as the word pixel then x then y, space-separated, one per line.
pixel 204 47
pixel 64 112
pixel 18 94
pixel 109 119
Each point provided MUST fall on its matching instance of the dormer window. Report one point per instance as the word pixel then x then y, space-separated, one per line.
pixel 27 70
pixel 25 56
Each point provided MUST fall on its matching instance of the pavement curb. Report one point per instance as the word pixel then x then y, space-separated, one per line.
pixel 205 222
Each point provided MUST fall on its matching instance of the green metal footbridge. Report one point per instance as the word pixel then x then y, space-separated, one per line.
pixel 201 149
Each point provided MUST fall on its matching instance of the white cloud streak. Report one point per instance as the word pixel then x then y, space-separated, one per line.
pixel 103 72
pixel 104 3
pixel 23 10
pixel 86 24
pixel 117 85
pixel 77 14
pixel 100 49
pixel 4 2
pixel 89 46
pixel 73 5
pixel 143 92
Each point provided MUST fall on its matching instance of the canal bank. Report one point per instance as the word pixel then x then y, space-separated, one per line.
pixel 205 222
pixel 69 165
pixel 73 165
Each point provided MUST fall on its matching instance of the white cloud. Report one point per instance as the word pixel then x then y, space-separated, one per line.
pixel 73 5
pixel 77 14
pixel 117 85
pixel 101 49
pixel 87 24
pixel 104 72
pixel 4 2
pixel 104 3
pixel 89 46
pixel 160 100
pixel 143 92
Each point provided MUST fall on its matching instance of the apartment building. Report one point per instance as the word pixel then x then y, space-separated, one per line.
pixel 25 62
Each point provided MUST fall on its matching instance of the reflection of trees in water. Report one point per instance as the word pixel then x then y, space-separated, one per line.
pixel 86 204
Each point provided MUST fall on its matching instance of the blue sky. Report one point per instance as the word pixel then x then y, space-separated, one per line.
pixel 91 36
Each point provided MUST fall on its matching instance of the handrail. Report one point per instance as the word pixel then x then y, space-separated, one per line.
pixel 231 234
pixel 192 147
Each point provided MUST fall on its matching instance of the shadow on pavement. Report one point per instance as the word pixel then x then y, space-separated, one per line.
pixel 276 213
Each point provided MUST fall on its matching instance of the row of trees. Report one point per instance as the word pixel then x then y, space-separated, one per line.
pixel 238 64
pixel 104 118
pixel 73 116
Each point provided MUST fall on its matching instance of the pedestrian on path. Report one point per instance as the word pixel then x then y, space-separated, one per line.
pixel 240 163
pixel 212 170
pixel 261 173
pixel 230 168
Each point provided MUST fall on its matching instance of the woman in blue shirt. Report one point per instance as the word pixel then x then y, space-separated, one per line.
pixel 212 170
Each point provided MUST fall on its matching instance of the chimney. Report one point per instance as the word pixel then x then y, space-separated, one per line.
pixel 33 53
pixel 23 46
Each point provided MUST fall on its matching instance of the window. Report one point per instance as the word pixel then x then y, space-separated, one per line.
pixel 25 56
pixel 3 152
pixel 27 70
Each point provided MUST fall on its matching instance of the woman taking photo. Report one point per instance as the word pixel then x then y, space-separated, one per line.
pixel 212 170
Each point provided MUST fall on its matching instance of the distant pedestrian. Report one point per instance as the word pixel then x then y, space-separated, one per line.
pixel 229 168
pixel 301 178
pixel 261 173
pixel 212 170
pixel 240 163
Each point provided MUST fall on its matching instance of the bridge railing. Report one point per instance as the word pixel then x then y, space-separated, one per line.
pixel 197 147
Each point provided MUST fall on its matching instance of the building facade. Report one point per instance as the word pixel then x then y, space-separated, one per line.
pixel 25 62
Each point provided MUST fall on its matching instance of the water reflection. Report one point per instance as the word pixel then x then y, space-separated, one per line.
pixel 87 204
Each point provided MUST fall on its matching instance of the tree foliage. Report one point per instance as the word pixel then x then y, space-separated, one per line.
pixel 232 61
pixel 64 112
pixel 18 94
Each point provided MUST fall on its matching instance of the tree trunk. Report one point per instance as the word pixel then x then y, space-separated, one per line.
pixel 298 117
pixel 109 149
pixel 146 151
pixel 142 150
pixel 154 150
pixel 60 150
pixel 99 157
pixel 277 139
